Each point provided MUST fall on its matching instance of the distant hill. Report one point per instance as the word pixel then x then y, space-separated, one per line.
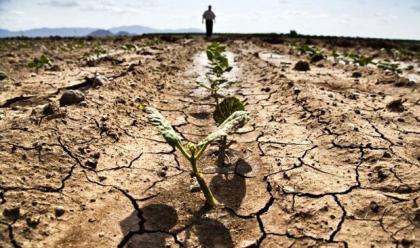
pixel 77 32
pixel 123 33
pixel 134 29
pixel 101 33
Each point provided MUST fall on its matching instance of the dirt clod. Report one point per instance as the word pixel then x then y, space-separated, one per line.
pixel 91 163
pixel 374 207
pixel 356 74
pixel 416 218
pixel 48 109
pixel 12 213
pixel 395 106
pixel 316 58
pixel 99 81
pixel 71 97
pixel 3 75
pixel 302 66
pixel 33 222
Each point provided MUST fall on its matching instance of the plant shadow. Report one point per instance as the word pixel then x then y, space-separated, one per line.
pixel 161 218
pixel 230 188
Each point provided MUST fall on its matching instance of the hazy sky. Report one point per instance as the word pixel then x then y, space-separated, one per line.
pixel 366 18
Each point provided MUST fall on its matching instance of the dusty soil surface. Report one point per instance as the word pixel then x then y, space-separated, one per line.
pixel 325 161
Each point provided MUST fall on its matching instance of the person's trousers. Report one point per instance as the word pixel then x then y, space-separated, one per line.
pixel 209 28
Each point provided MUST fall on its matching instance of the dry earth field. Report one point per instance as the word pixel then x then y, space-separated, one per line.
pixel 325 160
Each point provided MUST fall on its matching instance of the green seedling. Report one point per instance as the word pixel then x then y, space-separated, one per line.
pixel 222 112
pixel 359 59
pixel 98 51
pixel 41 62
pixel 314 53
pixel 219 65
pixel 353 58
pixel 310 50
pixel 387 65
pixel 129 47
pixel 193 152
pixel 92 57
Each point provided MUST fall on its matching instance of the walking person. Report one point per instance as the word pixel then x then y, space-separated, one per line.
pixel 209 17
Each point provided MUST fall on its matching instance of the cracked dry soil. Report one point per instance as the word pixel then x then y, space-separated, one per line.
pixel 322 163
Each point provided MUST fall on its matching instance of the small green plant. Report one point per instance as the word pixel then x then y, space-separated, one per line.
pixel 93 56
pixel 359 59
pixel 129 47
pixel 315 54
pixel 98 51
pixel 219 65
pixel 222 112
pixel 193 152
pixel 41 62
pixel 353 58
pixel 387 65
pixel 362 60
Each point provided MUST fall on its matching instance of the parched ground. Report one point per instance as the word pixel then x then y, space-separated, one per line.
pixel 323 162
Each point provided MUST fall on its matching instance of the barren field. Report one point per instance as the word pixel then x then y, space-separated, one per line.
pixel 329 158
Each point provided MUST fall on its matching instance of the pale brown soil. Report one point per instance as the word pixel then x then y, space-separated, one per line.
pixel 322 162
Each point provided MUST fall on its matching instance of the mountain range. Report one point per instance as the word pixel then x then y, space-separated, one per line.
pixel 78 32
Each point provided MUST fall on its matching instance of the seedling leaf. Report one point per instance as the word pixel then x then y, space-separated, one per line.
pixel 233 122
pixel 164 126
pixel 226 108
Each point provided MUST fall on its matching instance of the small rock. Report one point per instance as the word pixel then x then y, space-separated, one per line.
pixel 91 220
pixel 302 66
pixel 3 75
pixel 48 109
pixel 59 211
pixel 92 163
pixel 266 89
pixel 195 188
pixel 101 234
pixel 409 68
pixel 55 68
pixel 407 243
pixel 296 91
pixel 162 173
pixel 404 189
pixel 32 221
pixel 356 74
pixel 83 103
pixel 416 219
pixel 386 155
pixel 404 82
pixel 374 207
pixel 71 97
pixel 99 81
pixel 395 106
pixel 317 57
pixel 12 213
pixel 96 155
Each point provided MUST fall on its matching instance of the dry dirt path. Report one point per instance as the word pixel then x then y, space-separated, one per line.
pixel 322 162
